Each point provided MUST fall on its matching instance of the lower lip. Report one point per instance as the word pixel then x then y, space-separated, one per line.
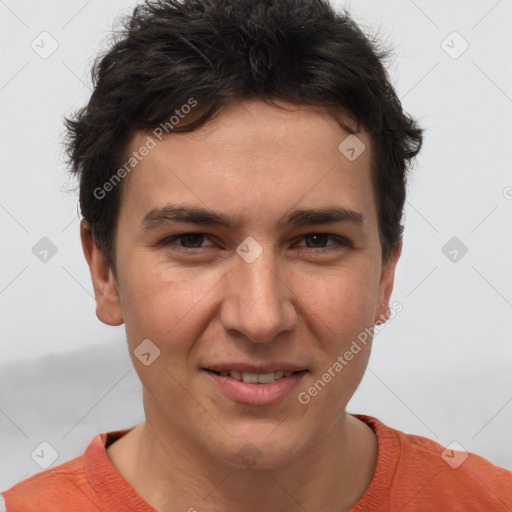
pixel 256 394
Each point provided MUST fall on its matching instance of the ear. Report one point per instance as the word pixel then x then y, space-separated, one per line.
pixel 108 309
pixel 387 280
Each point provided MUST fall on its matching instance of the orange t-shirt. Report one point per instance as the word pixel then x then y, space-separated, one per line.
pixel 412 475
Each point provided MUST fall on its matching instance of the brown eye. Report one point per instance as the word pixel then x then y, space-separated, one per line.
pixel 191 240
pixel 320 241
pixel 185 242
pixel 316 239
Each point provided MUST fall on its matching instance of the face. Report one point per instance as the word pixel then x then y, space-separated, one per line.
pixel 249 246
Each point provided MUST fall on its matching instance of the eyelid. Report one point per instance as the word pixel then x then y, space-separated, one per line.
pixel 340 242
pixel 167 242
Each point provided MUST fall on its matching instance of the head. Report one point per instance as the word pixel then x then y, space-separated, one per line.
pixel 241 109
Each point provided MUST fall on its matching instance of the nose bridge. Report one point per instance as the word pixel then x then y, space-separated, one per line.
pixel 257 303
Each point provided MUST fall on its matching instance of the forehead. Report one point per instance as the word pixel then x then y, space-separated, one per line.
pixel 254 157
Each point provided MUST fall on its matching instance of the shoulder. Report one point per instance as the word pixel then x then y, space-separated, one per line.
pixel 59 486
pixel 423 473
pixel 66 486
pixel 450 474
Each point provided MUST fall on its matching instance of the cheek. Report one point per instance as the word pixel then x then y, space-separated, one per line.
pixel 166 308
pixel 165 305
pixel 342 300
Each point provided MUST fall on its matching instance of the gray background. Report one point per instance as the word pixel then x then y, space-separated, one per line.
pixel 441 368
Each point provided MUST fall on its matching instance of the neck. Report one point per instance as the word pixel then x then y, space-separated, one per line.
pixel 171 473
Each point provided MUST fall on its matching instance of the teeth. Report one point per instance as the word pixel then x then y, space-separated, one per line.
pixel 266 378
pixel 255 378
pixel 235 375
pixel 250 378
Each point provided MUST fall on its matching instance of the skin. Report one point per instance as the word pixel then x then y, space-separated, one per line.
pixel 302 300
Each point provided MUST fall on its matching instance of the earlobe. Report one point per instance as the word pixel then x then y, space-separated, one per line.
pixel 387 280
pixel 108 308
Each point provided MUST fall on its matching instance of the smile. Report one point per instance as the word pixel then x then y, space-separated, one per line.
pixel 256 389
pixel 254 378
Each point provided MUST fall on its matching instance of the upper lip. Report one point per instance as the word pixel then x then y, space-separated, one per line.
pixel 253 368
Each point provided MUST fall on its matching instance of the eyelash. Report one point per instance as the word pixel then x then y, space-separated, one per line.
pixel 339 241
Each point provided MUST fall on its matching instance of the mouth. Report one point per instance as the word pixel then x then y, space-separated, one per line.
pixel 255 388
pixel 255 378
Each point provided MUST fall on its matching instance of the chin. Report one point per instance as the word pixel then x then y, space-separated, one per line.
pixel 262 450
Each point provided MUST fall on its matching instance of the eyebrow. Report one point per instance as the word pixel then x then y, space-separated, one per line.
pixel 195 215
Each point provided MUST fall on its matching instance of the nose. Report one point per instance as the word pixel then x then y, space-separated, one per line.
pixel 258 305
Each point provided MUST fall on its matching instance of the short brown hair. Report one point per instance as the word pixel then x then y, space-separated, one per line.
pixel 221 51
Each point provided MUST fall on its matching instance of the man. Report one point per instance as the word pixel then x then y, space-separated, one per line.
pixel 242 174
